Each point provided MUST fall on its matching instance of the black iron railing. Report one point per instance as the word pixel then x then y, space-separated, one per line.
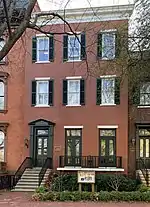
pixel 91 161
pixel 143 165
pixel 27 163
pixel 47 165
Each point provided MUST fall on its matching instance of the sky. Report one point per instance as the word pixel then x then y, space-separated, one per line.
pixel 47 5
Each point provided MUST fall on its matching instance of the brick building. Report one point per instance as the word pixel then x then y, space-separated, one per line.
pixel 64 99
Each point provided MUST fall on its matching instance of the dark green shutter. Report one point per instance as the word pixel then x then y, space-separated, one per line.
pixel 117 90
pixel 135 97
pixel 82 92
pixel 64 92
pixel 83 46
pixel 98 92
pixel 99 45
pixel 117 45
pixel 65 48
pixel 34 52
pixel 51 92
pixel 33 98
pixel 51 48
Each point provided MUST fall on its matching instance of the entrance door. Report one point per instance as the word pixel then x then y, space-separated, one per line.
pixel 144 145
pixel 42 136
pixel 108 148
pixel 73 147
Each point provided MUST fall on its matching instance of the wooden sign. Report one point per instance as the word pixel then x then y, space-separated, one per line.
pixel 86 176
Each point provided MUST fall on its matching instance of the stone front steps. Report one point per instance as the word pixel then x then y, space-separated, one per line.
pixel 142 178
pixel 29 180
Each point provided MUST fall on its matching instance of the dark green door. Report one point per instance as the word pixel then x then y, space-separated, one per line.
pixel 42 137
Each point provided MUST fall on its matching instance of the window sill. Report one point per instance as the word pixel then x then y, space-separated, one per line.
pixel 72 105
pixel 69 61
pixel 42 62
pixel 41 106
pixel 107 104
pixel 144 106
pixel 4 111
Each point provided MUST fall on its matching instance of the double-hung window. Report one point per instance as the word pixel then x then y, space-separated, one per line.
pixel 74 47
pixel 2 43
pixel 73 92
pixel 42 49
pixel 108 91
pixel 145 94
pixel 2 95
pixel 42 92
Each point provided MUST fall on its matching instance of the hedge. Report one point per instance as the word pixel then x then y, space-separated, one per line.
pixel 104 182
pixel 89 196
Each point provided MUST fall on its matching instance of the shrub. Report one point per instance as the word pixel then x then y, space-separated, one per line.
pixel 88 196
pixel 143 188
pixel 104 182
pixel 41 189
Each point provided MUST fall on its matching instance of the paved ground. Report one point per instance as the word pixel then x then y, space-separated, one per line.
pixel 13 199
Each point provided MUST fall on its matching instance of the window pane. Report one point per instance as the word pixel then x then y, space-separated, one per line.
pixel 76 132
pixel 141 147
pixel 103 147
pixel 108 46
pixel 42 132
pixel 42 90
pixel 43 56
pixel 2 156
pixel 108 91
pixel 147 148
pixel 77 148
pixel 107 132
pixel 1 103
pixel 111 147
pixel 2 43
pixel 74 85
pixel 43 43
pixel 68 133
pixel 144 132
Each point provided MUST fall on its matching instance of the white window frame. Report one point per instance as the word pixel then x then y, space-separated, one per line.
pixel 103 34
pixel 1 46
pixel 74 57
pixel 102 91
pixel 69 104
pixel 38 48
pixel 37 93
pixel 148 105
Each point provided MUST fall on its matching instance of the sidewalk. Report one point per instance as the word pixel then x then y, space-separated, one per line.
pixel 17 199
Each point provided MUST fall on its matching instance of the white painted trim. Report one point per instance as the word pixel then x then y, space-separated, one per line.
pixel 42 35
pixel 70 61
pixel 143 107
pixel 74 77
pixel 100 169
pixel 73 127
pixel 108 30
pixel 72 105
pixel 43 78
pixel 108 76
pixel 41 106
pixel 107 126
pixel 38 62
pixel 107 104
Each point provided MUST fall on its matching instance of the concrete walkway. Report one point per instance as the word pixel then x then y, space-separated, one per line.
pixel 16 199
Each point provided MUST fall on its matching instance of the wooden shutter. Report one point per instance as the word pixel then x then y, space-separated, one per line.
pixel 33 96
pixel 99 45
pixel 51 48
pixel 117 90
pixel 135 97
pixel 64 92
pixel 82 92
pixel 98 91
pixel 83 46
pixel 117 45
pixel 34 49
pixel 65 48
pixel 51 92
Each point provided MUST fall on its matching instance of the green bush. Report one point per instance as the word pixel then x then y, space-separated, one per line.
pixel 143 188
pixel 104 182
pixel 41 189
pixel 89 196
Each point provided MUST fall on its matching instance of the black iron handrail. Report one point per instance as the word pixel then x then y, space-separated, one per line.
pixel 142 166
pixel 27 163
pixel 47 165
pixel 91 161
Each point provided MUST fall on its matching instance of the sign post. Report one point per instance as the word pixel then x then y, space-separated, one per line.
pixel 86 177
